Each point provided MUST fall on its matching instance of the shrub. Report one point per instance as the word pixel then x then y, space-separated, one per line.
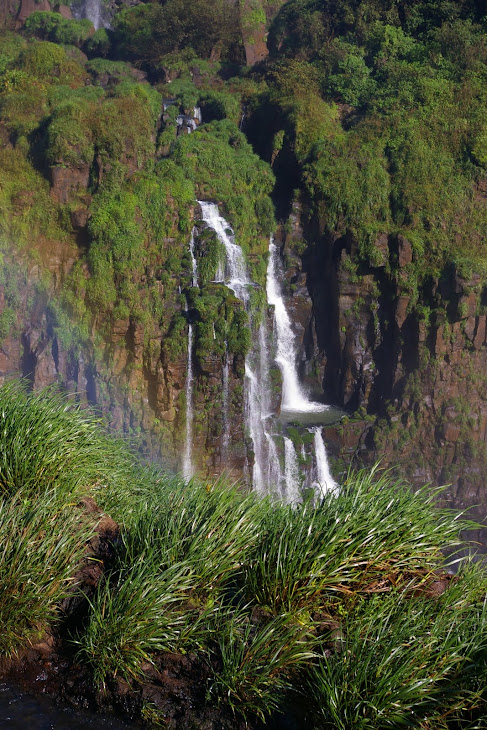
pixel 53 27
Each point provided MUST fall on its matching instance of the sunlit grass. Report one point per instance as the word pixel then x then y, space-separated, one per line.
pixel 42 542
pixel 405 660
pixel 330 602
pixel 376 533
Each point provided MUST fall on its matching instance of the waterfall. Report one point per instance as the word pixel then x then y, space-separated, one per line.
pixel 188 470
pixel 194 266
pixel 295 402
pixel 233 272
pixel 291 472
pixel 188 443
pixel 324 480
pixel 264 428
pixel 253 420
pixel 235 276
pixel 92 10
pixel 226 409
pixel 293 396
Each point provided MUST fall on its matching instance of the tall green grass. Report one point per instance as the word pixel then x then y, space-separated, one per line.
pixel 329 601
pixel 376 531
pixel 41 546
pixel 406 660
pixel 48 443
pixel 258 663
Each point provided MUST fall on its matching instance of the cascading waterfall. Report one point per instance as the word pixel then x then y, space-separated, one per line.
pixel 274 474
pixel 92 10
pixel 295 402
pixel 188 470
pixel 261 422
pixel 291 472
pixel 324 480
pixel 233 272
pixel 293 396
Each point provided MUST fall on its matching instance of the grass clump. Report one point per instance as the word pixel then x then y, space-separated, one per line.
pixel 257 664
pixel 48 444
pixel 50 452
pixel 42 542
pixel 378 533
pixel 405 660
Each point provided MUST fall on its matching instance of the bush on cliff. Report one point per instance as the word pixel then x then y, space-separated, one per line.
pixel 53 27
pixel 148 33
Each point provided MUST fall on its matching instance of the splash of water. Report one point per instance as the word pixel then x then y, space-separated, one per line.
pixel 291 472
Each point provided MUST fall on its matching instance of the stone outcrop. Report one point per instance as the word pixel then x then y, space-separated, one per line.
pixel 27 7
pixel 254 31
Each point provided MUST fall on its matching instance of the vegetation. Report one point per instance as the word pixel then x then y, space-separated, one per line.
pixel 50 454
pixel 336 602
pixel 400 157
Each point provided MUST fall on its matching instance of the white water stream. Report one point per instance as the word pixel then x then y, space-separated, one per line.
pixel 293 396
pixel 324 480
pixel 291 472
pixel 294 399
pixel 188 469
pixel 92 10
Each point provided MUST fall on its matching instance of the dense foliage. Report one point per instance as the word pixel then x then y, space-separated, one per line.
pixel 375 110
pixel 390 138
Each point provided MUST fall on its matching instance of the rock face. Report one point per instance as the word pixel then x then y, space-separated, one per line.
pixel 254 31
pixel 132 376
pixel 412 374
pixel 27 7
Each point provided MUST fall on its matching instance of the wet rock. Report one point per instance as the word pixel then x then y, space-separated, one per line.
pixel 254 31
pixel 381 251
pixel 405 251
pixel 67 182
pixel 27 7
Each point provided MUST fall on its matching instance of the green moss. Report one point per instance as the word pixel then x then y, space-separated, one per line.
pixel 70 137
pixel 27 212
pixel 48 62
pixel 220 105
pixel 115 70
pixel 220 162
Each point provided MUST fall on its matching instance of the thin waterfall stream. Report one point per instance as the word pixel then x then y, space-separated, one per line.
pixel 324 480
pixel 187 466
pixel 93 10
